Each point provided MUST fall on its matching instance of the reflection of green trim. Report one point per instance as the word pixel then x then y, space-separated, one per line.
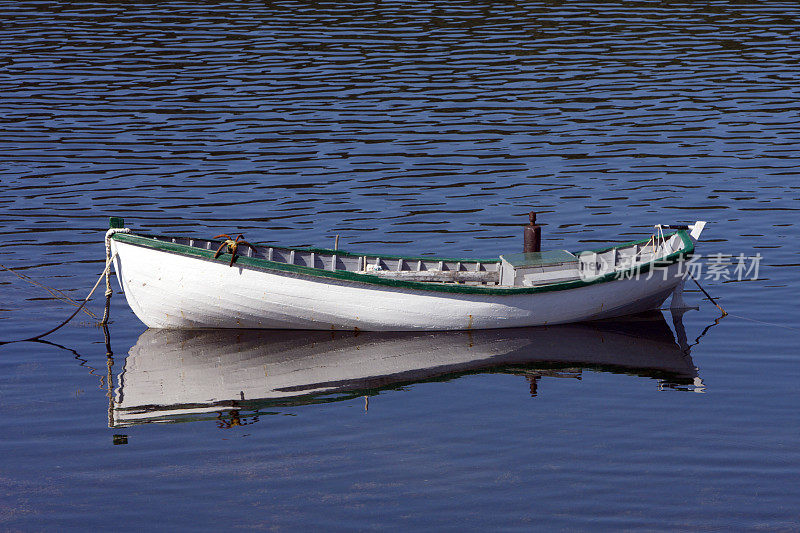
pixel 369 279
pixel 256 407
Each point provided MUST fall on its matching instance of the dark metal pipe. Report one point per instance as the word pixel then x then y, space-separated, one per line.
pixel 533 235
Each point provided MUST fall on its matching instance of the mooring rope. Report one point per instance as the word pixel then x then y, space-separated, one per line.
pixel 106 273
pixel 109 262
pixel 58 294
pixel 724 312
pixel 763 322
pixel 109 292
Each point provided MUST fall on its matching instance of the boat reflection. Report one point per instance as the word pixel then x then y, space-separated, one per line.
pixel 174 375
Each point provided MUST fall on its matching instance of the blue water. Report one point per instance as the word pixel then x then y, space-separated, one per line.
pixel 410 128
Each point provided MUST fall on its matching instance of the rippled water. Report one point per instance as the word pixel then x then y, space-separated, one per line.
pixel 416 128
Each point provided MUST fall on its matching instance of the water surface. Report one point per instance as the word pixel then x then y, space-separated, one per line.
pixel 409 128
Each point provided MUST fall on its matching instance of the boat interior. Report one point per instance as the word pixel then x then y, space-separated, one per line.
pixel 510 270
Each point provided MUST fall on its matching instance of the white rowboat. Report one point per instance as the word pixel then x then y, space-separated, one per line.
pixel 177 283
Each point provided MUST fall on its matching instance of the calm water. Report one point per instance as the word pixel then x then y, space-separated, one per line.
pixel 417 128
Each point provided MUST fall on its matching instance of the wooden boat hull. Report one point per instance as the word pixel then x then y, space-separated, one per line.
pixel 177 291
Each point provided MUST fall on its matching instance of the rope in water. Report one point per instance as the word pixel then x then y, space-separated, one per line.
pixel 109 262
pixel 55 292
pixel 764 323
pixel 724 312
pixel 106 273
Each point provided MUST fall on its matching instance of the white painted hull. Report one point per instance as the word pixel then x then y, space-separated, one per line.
pixel 177 373
pixel 174 291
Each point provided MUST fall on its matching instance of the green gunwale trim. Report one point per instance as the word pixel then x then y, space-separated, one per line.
pixel 264 264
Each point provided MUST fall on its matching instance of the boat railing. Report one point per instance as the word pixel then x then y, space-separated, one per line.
pixel 588 264
pixel 407 269
pixel 594 264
